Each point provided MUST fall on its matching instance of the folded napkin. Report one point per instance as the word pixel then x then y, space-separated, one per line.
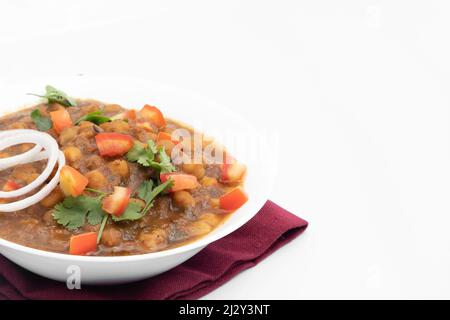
pixel 270 229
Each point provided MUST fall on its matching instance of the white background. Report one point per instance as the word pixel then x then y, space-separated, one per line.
pixel 357 90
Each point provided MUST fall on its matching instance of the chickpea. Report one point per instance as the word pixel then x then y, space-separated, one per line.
pixel 196 169
pixel 143 135
pixel 119 167
pixel 188 167
pixel 211 219
pixel 183 199
pixel 112 108
pixel 214 203
pixel 68 134
pixel 53 198
pixel 208 181
pixel 116 126
pixel 72 154
pixel 91 108
pixel 155 240
pixel 85 124
pixel 96 179
pixel 94 162
pixel 198 228
pixel 111 236
pixel 199 172
pixel 87 130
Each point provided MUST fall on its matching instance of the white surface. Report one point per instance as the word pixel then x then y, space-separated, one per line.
pixel 358 91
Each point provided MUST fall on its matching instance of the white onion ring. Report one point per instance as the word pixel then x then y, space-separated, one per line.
pixel 48 143
pixel 6 163
pixel 38 196
pixel 51 151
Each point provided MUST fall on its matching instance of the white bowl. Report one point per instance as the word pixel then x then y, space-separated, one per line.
pixel 178 104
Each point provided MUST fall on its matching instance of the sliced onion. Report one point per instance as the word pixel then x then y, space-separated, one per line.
pixel 50 146
pixel 51 152
pixel 25 157
pixel 38 196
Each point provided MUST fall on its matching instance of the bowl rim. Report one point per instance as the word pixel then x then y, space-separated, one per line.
pixel 219 232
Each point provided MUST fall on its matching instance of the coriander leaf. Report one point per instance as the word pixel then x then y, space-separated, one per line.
pixel 72 212
pixel 54 95
pixel 145 155
pixel 152 146
pixel 145 159
pixel 144 190
pixel 132 212
pixel 140 154
pixel 94 117
pixel 68 215
pixel 96 214
pixel 42 123
pixel 160 188
pixel 135 152
pixel 164 161
pixel 102 227
pixel 156 191
pixel 94 208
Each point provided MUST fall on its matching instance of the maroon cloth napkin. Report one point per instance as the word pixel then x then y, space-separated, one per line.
pixel 270 229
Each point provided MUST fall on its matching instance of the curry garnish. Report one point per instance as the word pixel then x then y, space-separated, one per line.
pixel 54 95
pixel 148 194
pixel 73 211
pixel 96 117
pixel 41 122
pixel 145 155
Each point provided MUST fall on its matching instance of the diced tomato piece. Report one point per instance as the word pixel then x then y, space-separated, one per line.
pixel 144 124
pixel 117 202
pixel 84 243
pixel 154 115
pixel 181 181
pixel 166 136
pixel 232 172
pixel 11 185
pixel 128 115
pixel 61 120
pixel 71 181
pixel 113 144
pixel 233 200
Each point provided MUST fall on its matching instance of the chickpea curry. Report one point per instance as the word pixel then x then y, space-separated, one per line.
pixel 122 190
